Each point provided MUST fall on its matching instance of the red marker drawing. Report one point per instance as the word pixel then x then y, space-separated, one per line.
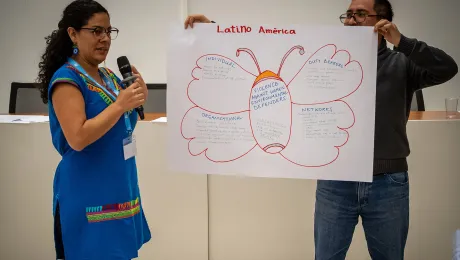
pixel 289 115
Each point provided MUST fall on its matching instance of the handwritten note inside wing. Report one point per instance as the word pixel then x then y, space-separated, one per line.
pixel 295 102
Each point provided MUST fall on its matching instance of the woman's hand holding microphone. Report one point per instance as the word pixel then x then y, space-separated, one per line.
pixel 133 96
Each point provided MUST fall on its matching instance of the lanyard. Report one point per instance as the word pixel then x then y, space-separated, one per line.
pixel 110 85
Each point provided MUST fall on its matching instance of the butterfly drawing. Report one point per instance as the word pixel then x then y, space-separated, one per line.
pixel 296 112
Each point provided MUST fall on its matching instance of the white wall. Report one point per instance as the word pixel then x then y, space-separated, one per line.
pixel 23 28
pixel 143 26
pixel 144 30
pixel 435 22
pixel 143 36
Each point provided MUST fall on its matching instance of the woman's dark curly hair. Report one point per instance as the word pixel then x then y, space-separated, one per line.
pixel 59 45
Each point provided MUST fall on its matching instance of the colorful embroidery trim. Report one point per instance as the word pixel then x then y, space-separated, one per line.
pixel 64 80
pixel 113 211
pixel 104 96
pixel 109 74
pixel 93 87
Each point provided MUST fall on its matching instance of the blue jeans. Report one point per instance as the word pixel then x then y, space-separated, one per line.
pixel 384 209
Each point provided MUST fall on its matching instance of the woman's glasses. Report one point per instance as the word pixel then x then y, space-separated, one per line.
pixel 100 32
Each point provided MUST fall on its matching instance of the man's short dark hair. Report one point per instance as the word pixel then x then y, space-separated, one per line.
pixel 384 9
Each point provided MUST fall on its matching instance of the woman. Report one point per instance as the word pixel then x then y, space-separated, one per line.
pixel 96 195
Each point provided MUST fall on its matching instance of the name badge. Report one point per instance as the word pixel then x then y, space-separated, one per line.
pixel 129 147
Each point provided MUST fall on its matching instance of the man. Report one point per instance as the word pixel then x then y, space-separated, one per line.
pixel 383 204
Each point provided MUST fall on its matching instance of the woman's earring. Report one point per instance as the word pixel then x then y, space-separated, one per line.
pixel 75 49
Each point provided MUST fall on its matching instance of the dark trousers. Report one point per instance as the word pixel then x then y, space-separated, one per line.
pixel 59 245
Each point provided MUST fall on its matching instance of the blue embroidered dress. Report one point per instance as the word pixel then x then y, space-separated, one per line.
pixel 97 189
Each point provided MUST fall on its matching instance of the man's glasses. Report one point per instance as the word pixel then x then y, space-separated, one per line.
pixel 359 17
pixel 100 32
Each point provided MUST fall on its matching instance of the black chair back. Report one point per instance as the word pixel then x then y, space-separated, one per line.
pixel 25 99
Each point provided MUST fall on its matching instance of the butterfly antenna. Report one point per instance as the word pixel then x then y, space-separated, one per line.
pixel 301 51
pixel 251 54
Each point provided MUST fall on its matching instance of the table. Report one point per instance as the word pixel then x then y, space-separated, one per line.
pixel 415 115
pixel 199 217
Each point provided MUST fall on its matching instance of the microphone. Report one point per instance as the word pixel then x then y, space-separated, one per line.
pixel 128 78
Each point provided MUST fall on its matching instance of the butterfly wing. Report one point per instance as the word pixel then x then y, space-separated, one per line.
pixel 221 138
pixel 318 133
pixel 328 74
pixel 220 85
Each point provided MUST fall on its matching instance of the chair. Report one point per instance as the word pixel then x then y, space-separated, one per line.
pixel 25 99
pixel 418 103
pixel 156 103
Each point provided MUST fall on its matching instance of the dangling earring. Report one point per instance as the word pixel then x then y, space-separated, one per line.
pixel 75 49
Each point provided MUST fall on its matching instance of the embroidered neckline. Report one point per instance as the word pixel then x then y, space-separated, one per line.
pixel 94 87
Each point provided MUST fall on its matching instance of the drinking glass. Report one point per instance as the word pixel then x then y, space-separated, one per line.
pixel 451 107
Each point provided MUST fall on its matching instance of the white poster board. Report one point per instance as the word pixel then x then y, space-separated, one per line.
pixel 272 101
